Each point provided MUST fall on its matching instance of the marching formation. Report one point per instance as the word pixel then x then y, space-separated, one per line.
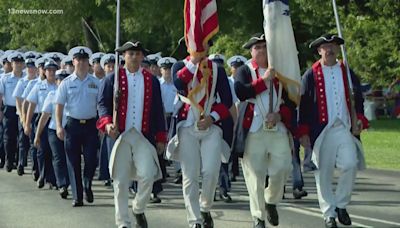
pixel 57 109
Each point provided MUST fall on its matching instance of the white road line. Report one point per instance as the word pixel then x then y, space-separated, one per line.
pixel 352 215
pixel 306 212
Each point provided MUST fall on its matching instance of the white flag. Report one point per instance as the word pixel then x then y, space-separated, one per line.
pixel 281 46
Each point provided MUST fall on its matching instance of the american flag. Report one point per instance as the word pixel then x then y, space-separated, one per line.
pixel 201 24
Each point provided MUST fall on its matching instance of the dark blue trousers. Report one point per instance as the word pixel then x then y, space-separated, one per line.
pixel 44 156
pixel 2 152
pixel 59 159
pixel 33 150
pixel 224 182
pixel 104 174
pixel 297 176
pixel 81 138
pixel 10 124
pixel 23 145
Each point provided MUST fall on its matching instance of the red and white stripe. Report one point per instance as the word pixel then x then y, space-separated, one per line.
pixel 201 23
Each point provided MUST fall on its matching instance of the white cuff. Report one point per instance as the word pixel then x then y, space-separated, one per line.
pixel 215 115
pixel 191 67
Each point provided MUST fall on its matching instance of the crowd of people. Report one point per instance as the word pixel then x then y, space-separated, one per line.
pixel 57 109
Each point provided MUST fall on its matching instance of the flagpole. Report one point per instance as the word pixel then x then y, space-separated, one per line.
pixel 116 68
pixel 352 110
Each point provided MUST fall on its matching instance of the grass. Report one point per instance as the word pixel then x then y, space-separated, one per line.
pixel 382 144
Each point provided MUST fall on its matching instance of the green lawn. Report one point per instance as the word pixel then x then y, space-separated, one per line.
pixel 382 144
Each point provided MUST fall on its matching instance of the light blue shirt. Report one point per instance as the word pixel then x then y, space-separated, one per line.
pixel 168 94
pixel 50 107
pixel 7 85
pixel 39 93
pixel 29 87
pixel 21 86
pixel 79 97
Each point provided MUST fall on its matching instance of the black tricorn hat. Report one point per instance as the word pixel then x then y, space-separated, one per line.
pixel 324 39
pixel 132 45
pixel 256 38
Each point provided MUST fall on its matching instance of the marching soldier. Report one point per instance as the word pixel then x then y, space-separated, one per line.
pixel 39 64
pixel 23 140
pixel 107 62
pixel 234 63
pixel 56 145
pixel 94 61
pixel 267 151
pixel 36 99
pixel 66 63
pixel 154 68
pixel 325 127
pixel 8 113
pixel 140 134
pixel 7 68
pixel 200 135
pixel 227 127
pixel 77 96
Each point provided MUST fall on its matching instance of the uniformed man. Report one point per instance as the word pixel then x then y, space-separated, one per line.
pixel 36 99
pixel 56 145
pixel 23 140
pixel 146 64
pixel 142 129
pixel 94 61
pixel 234 63
pixel 154 68
pixel 77 96
pixel 7 68
pixel 325 127
pixel 227 126
pixel 8 113
pixel 199 134
pixel 107 62
pixel 267 148
pixel 169 95
pixel 66 63
pixel 39 64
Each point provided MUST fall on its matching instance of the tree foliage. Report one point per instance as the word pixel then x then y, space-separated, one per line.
pixel 370 28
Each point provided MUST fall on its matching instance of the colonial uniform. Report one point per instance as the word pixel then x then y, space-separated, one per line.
pixel 266 152
pixel 200 151
pixel 324 116
pixel 10 119
pixel 37 97
pixel 79 98
pixel 141 125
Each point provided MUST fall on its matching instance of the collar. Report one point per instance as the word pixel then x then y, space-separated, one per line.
pixel 139 71
pixel 75 77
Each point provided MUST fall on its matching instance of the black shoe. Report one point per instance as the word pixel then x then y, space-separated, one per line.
pixel 259 223
pixel 233 178
pixel 196 225
pixel 272 214
pixel 20 170
pixel 225 197
pixel 207 220
pixel 343 216
pixel 107 183
pixel 40 183
pixel 89 195
pixel 35 176
pixel 141 221
pixel 330 223
pixel 178 179
pixel 9 167
pixel 298 194
pixel 154 199
pixel 2 163
pixel 77 203
pixel 63 192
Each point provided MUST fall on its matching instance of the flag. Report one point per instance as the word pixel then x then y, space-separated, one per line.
pixel 201 24
pixel 281 46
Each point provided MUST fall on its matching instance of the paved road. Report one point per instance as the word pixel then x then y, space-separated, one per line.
pixel 376 203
